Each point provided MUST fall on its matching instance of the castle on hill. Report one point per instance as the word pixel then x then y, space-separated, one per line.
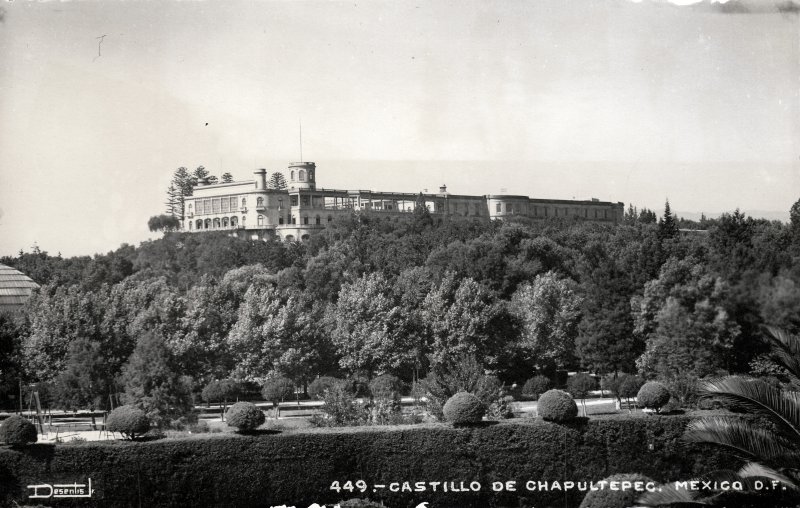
pixel 251 210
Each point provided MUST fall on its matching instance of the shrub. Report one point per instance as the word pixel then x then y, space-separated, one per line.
pixel 536 386
pixel 245 416
pixel 684 389
pixel 318 387
pixel 464 408
pixel 607 498
pixel 461 374
pixel 129 421
pixel 16 430
pixel 340 409
pixel 357 386
pixel 557 406
pixel 386 386
pixel 501 408
pixel 653 395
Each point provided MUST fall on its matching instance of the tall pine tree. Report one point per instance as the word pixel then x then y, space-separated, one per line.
pixel 667 227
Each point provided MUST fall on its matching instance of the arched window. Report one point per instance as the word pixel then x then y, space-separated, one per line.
pixel 310 175
pixel 330 218
pixel 190 225
pixel 305 220
pixel 260 220
pixel 190 209
pixel 199 224
pixel 301 175
pixel 280 204
pixel 260 201
pixel 289 238
pixel 234 221
pixel 244 219
pixel 244 202
pixel 292 175
pixel 317 220
pixel 207 224
pixel 224 222
pixel 304 238
pixel 294 219
pixel 216 222
pixel 280 220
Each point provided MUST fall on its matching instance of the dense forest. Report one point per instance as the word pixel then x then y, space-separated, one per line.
pixel 372 295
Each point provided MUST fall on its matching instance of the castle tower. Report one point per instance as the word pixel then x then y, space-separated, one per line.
pixel 302 175
pixel 261 179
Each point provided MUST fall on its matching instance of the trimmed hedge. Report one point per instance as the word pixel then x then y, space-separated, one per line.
pixel 557 406
pixel 16 430
pixel 463 408
pixel 232 470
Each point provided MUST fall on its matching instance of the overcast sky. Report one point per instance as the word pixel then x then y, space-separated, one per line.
pixel 624 101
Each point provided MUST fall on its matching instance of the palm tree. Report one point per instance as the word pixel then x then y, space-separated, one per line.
pixel 772 449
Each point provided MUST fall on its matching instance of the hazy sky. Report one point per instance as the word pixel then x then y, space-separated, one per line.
pixel 619 100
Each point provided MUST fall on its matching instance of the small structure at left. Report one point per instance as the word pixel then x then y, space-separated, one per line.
pixel 15 289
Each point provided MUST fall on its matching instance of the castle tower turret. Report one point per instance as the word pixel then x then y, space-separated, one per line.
pixel 261 179
pixel 302 175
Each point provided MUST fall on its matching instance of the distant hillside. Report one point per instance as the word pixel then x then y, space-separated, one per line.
pixel 757 214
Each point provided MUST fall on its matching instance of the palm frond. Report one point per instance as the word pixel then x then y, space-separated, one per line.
pixel 756 470
pixel 743 436
pixel 780 407
pixel 786 351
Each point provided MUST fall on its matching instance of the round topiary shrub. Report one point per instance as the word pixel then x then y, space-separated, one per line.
pixel 129 421
pixel 245 416
pixel 557 406
pixel 607 498
pixel 653 395
pixel 16 430
pixel 463 408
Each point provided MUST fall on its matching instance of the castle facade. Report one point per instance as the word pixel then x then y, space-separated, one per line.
pixel 251 210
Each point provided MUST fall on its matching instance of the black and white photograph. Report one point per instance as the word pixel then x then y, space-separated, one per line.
pixel 400 253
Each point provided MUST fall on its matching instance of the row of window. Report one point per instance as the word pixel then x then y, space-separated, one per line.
pixel 301 175
pixel 564 212
pixel 217 223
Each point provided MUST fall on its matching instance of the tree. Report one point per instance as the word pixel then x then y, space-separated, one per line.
pixel 182 181
pixel 163 223
pixel 606 342
pixel 221 391
pixel 463 317
pixel 199 174
pixel 172 204
pixel 153 384
pixel 684 321
pixel 579 387
pixel 227 177
pixel 277 181
pixel 549 311
pixel 275 390
pixel 769 442
pixel 87 382
pixel 368 327
pixel 667 227
pixel 277 331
